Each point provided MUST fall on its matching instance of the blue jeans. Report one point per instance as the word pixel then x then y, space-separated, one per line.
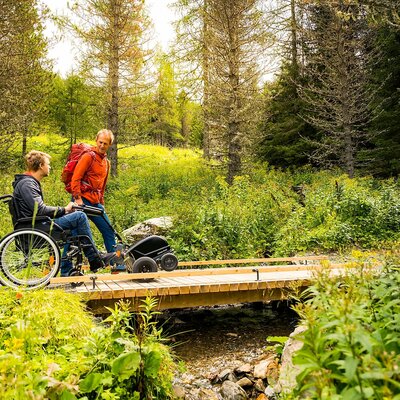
pixel 78 223
pixel 104 228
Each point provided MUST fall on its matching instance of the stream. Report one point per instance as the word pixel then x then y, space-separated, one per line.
pixel 209 340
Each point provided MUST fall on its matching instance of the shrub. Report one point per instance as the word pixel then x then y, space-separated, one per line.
pixel 51 348
pixel 351 348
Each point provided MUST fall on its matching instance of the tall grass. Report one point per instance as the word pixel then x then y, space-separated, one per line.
pixel 260 214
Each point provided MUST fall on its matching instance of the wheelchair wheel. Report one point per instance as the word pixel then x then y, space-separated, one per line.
pixel 168 262
pixel 28 258
pixel 144 264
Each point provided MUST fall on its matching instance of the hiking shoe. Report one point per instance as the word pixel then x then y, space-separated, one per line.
pixel 107 257
pixel 96 264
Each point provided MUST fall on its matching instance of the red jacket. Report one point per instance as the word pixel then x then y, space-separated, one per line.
pixel 90 177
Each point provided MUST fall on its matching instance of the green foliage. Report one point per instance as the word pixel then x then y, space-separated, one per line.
pixel 52 349
pixel 259 214
pixel 279 343
pixel 72 107
pixel 351 348
pixel 284 134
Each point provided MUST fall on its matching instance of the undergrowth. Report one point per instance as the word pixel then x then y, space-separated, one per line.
pixel 265 212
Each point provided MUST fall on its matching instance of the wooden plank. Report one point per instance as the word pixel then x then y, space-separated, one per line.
pixel 250 260
pixel 189 272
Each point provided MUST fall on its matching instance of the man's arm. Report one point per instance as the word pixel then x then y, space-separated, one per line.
pixel 31 195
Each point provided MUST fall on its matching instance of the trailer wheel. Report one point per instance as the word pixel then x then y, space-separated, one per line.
pixel 169 262
pixel 144 264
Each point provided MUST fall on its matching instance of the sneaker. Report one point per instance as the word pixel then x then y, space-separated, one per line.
pixel 96 264
pixel 107 258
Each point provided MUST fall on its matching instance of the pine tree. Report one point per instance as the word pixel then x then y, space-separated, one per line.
pixel 23 73
pixel 113 55
pixel 336 91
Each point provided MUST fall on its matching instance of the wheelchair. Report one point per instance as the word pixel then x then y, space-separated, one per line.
pixel 30 255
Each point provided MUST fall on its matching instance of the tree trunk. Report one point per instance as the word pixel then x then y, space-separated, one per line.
pixel 234 139
pixel 293 29
pixel 113 75
pixel 206 83
pixel 349 161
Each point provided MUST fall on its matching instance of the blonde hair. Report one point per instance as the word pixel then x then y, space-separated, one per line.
pixel 35 159
pixel 106 132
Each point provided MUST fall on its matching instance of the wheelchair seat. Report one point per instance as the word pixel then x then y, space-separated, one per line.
pixel 41 223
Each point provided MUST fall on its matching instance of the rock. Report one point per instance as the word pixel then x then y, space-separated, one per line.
pixel 232 391
pixel 270 392
pixel 226 374
pixel 179 392
pixel 288 372
pixel 261 369
pixel 153 226
pixel 244 369
pixel 232 334
pixel 202 394
pixel 273 372
pixel 244 382
pixel 207 394
pixel 259 385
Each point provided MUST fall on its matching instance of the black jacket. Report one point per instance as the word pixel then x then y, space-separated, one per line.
pixel 27 193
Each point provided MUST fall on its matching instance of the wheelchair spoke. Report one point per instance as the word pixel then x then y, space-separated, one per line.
pixel 29 257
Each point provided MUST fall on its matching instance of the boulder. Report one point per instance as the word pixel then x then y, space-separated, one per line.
pixel 261 368
pixel 179 392
pixel 232 391
pixel 202 394
pixel 153 226
pixel 244 369
pixel 270 393
pixel 259 385
pixel 288 372
pixel 244 382
pixel 226 374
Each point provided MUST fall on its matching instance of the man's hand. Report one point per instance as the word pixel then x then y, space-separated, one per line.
pixel 79 201
pixel 69 207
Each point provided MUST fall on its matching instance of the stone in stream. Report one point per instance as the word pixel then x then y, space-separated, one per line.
pixel 202 394
pixel 225 375
pixel 179 392
pixel 244 382
pixel 259 385
pixel 232 391
pixel 270 393
pixel 261 368
pixel 288 371
pixel 244 369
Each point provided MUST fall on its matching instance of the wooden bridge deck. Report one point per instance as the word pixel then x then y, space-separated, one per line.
pixel 195 287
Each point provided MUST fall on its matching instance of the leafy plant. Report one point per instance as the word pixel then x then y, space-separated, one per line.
pixel 52 348
pixel 351 348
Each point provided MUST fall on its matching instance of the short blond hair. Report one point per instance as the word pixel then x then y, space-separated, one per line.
pixel 106 132
pixel 35 159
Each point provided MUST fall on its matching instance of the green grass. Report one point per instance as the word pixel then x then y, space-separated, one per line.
pixel 258 215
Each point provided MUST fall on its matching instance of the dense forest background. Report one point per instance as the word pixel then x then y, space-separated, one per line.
pixel 333 103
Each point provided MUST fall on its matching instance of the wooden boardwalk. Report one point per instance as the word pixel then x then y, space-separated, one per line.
pixel 184 288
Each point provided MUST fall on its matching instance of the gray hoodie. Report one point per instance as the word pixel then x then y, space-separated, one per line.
pixel 27 192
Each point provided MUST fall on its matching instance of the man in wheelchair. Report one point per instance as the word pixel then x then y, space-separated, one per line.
pixel 28 203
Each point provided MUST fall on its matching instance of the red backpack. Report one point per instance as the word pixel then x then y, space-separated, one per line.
pixel 76 152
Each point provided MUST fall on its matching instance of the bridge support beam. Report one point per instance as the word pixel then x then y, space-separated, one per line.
pixel 188 300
